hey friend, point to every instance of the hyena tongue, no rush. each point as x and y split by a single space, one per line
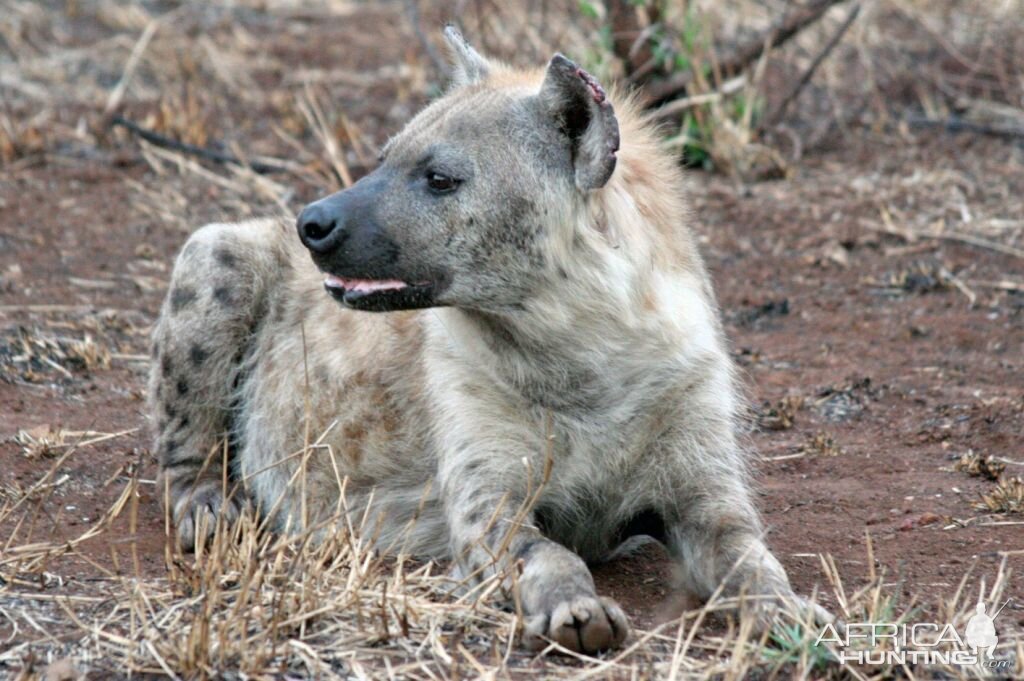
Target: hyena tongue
363 285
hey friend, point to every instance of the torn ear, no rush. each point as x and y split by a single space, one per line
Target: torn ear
582 109
468 65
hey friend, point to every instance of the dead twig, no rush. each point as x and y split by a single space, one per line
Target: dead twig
971 296
117 94
815 63
913 235
1001 285
975 241
205 153
955 124
678 106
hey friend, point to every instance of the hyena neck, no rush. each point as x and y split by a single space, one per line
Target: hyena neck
618 308
577 362
544 370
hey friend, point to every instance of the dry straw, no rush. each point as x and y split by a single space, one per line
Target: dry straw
325 604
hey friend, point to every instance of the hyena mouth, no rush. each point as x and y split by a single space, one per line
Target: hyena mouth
379 295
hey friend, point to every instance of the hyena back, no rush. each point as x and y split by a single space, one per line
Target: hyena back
571 357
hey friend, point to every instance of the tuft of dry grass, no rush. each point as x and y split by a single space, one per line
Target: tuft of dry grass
1006 497
87 355
822 444
917 277
41 442
781 415
32 354
979 466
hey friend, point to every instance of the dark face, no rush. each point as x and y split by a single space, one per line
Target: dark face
455 215
361 257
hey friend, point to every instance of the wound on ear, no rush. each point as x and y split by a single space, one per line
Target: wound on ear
596 91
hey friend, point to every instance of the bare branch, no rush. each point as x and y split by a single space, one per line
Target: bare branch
809 73
201 152
747 54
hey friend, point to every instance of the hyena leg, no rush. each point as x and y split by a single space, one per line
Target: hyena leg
491 532
217 295
718 546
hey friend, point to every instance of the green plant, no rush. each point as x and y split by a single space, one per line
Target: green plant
795 644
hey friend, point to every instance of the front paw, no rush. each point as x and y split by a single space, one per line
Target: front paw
198 511
789 607
584 624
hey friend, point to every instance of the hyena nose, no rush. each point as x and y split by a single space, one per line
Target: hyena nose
320 228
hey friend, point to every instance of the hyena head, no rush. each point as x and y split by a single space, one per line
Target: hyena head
473 195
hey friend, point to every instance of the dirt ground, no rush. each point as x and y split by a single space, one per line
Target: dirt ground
878 346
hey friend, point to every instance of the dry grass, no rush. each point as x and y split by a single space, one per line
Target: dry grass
252 604
980 466
822 444
42 442
32 355
781 415
1006 497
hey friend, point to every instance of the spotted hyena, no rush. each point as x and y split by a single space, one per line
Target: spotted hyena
550 336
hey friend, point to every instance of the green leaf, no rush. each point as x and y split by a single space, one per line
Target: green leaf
589 10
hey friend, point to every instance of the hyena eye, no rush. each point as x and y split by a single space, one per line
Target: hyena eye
440 183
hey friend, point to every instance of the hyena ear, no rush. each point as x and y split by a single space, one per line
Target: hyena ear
581 108
468 65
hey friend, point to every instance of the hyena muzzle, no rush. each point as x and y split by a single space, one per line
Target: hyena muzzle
550 377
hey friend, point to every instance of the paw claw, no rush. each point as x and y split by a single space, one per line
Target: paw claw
197 513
